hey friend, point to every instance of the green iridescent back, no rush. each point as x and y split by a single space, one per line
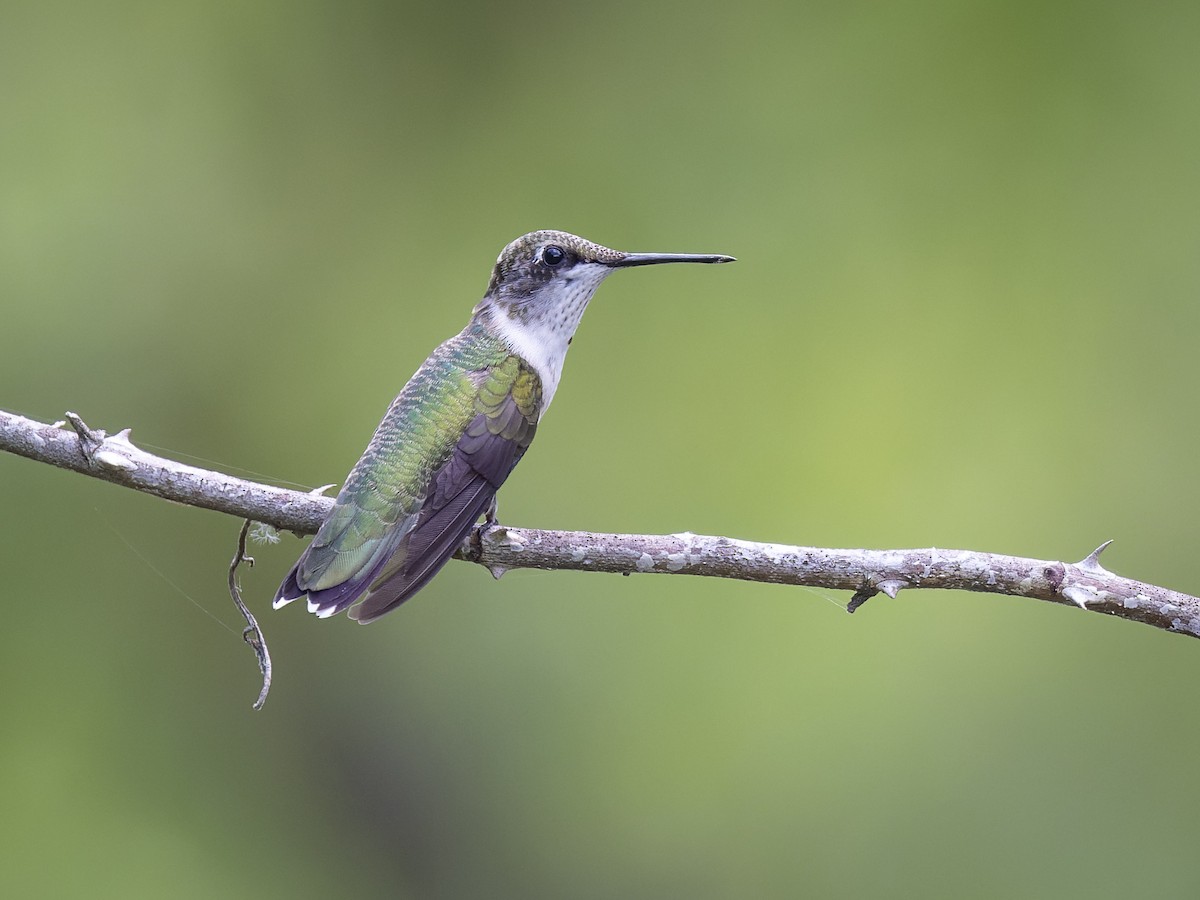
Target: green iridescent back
471 375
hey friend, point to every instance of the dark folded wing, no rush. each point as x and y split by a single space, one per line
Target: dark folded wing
461 490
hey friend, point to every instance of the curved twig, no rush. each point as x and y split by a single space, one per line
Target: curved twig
252 633
1085 584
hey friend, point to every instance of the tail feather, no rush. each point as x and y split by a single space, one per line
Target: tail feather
420 555
329 601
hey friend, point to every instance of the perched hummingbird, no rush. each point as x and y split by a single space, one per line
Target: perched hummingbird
456 430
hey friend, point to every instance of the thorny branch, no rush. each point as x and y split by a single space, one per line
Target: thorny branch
1085 584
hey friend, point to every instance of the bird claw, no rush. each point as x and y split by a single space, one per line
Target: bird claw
491 527
489 514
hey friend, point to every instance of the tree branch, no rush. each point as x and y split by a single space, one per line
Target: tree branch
1085 584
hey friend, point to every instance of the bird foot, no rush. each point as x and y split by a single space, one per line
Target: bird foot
490 527
489 514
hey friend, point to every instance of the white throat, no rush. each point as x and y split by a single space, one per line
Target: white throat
544 348
542 335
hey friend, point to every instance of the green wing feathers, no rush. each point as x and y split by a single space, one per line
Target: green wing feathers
447 442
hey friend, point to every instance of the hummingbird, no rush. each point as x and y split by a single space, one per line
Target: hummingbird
456 430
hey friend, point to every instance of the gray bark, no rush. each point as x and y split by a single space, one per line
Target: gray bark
1085 584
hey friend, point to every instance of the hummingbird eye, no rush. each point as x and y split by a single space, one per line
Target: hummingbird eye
553 255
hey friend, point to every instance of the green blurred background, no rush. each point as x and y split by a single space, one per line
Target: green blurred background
964 315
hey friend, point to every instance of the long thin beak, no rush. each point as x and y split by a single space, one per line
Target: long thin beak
653 259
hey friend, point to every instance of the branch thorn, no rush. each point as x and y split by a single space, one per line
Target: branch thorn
892 586
112 460
123 437
1078 595
1091 562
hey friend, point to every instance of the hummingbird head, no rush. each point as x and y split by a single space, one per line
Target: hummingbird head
545 279
540 289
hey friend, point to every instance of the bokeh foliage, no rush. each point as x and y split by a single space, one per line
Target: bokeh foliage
964 315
